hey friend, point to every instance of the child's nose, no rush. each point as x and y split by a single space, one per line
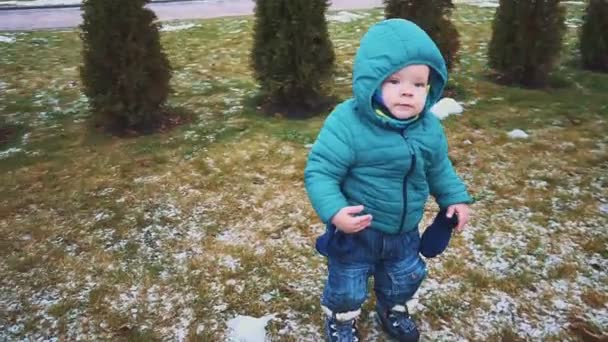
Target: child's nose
407 90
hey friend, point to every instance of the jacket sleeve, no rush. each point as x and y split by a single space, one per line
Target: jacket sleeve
328 163
444 183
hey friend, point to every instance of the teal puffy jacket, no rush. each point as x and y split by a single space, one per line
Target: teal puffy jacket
387 165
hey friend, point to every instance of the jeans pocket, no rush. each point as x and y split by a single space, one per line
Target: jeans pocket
341 244
408 279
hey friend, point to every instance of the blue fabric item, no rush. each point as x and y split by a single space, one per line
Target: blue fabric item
392 259
436 237
390 166
378 97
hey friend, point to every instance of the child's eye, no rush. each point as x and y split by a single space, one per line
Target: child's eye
420 85
393 81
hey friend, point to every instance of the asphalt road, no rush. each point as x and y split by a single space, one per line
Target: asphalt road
62 18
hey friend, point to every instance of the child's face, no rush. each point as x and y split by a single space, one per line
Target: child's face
404 92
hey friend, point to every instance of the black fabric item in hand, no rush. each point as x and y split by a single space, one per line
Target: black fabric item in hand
436 237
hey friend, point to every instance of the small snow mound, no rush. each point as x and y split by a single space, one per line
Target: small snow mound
7 153
5 39
178 27
518 134
344 17
604 208
248 329
478 3
446 107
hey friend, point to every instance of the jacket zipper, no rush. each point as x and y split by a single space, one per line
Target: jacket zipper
412 166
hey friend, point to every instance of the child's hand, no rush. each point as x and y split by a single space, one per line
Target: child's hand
346 221
462 210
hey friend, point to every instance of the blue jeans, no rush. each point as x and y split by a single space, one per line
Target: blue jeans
392 260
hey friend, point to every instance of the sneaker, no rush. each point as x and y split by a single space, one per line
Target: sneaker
341 331
398 323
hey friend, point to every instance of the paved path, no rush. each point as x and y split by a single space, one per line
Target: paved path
58 18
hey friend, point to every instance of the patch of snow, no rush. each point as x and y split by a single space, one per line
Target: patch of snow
16 329
40 41
248 329
604 208
148 179
7 153
177 27
478 3
220 307
230 262
560 304
102 215
6 39
266 297
517 134
26 138
181 330
344 17
446 107
105 192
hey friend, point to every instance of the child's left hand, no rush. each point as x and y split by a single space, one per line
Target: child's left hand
462 210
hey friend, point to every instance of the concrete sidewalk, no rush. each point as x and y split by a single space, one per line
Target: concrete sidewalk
70 17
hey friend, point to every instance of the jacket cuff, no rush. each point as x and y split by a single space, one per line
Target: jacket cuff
462 198
328 213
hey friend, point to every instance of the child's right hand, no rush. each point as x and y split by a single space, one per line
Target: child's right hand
346 221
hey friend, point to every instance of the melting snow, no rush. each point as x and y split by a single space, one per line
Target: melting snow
446 107
518 134
177 27
248 329
478 3
7 153
6 39
344 17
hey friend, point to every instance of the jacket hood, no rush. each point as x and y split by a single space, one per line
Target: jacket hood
386 48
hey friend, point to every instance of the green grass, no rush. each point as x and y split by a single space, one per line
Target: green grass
175 233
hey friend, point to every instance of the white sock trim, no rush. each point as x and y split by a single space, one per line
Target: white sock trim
399 308
342 316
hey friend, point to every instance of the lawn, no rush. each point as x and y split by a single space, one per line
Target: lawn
168 236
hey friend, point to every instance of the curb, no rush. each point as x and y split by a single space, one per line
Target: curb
18 8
